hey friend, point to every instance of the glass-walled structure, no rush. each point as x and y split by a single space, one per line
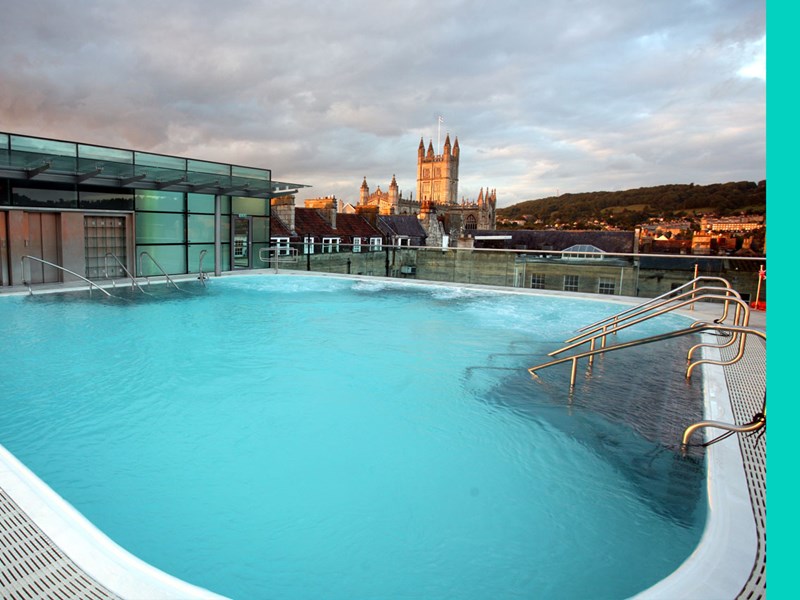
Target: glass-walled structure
100 210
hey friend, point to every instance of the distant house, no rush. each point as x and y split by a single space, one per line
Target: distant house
319 228
402 230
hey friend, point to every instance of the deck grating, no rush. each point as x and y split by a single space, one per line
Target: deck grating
31 566
747 386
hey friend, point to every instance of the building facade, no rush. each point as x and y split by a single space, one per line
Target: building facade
103 212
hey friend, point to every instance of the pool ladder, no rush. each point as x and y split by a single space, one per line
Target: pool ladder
160 268
673 300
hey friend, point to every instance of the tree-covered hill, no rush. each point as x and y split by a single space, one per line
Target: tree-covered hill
631 207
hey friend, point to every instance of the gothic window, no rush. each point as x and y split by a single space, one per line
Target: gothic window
470 223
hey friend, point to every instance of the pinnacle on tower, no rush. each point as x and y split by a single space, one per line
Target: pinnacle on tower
447 145
456 150
430 149
421 150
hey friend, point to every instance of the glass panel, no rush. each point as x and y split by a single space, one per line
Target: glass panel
251 173
171 258
194 258
105 154
226 257
61 198
3 141
201 228
260 229
157 228
105 199
208 167
225 205
5 198
225 230
41 146
160 161
159 200
200 203
257 262
250 206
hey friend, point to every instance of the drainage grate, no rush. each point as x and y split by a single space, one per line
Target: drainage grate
746 386
31 566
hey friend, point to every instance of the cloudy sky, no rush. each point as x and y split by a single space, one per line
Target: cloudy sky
545 97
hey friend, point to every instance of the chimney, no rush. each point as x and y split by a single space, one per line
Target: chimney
326 207
369 214
283 208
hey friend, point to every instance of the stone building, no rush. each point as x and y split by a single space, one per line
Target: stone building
437 205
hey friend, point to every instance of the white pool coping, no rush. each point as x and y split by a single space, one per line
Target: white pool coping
719 567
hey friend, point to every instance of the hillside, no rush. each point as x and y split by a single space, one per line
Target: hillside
628 208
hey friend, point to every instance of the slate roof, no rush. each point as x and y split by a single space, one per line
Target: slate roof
607 241
401 225
307 221
353 225
277 228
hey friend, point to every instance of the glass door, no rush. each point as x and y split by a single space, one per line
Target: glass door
241 242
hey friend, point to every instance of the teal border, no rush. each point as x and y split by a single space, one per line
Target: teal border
783 398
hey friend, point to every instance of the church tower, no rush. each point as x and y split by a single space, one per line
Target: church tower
437 175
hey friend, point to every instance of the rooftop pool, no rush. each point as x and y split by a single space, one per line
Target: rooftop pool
288 437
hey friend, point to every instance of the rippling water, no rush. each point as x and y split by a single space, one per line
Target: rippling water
292 437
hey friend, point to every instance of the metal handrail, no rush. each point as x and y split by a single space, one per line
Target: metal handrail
742 308
649 306
757 423
655 338
202 276
169 279
134 283
46 262
656 299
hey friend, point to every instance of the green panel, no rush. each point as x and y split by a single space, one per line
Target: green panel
106 199
157 228
159 200
194 258
200 228
160 161
171 258
105 154
260 229
51 147
249 206
200 203
201 166
225 230
225 205
226 257
257 262
251 173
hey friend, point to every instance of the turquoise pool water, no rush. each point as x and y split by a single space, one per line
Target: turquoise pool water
298 437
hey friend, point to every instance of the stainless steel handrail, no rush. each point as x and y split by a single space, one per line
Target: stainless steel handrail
134 283
757 424
47 262
650 306
742 308
655 338
169 279
668 294
202 276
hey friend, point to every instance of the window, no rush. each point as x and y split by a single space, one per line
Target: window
308 244
571 283
400 241
375 244
356 244
330 244
471 223
583 252
537 281
606 286
281 245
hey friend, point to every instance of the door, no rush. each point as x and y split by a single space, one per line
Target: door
41 238
241 242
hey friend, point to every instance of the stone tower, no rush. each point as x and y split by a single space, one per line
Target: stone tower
437 175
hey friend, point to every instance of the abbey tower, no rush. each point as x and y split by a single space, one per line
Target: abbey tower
437 175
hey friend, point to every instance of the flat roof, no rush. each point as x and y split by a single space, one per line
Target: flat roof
29 158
